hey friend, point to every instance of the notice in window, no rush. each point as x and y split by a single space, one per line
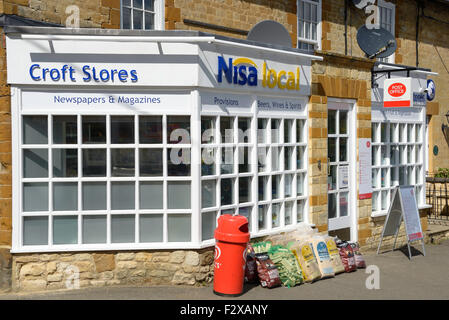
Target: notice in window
365 187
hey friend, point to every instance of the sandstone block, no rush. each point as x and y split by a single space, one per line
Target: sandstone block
32 269
125 256
33 285
104 262
183 278
177 256
192 258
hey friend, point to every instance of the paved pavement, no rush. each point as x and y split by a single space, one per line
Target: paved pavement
421 278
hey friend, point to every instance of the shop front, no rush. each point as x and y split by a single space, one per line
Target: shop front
130 141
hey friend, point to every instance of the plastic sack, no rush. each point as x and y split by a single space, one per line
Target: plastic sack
335 255
347 256
359 260
287 265
267 272
322 256
250 265
261 247
303 253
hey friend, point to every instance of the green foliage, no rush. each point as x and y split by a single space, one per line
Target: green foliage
442 173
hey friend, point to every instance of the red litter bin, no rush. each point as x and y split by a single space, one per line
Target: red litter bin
231 237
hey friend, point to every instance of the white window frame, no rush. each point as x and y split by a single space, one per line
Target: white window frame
316 43
388 166
159 15
389 6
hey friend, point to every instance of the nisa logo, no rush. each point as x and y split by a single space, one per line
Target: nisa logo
243 71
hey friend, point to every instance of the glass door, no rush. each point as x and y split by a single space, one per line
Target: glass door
339 171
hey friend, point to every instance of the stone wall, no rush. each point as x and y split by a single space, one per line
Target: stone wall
53 271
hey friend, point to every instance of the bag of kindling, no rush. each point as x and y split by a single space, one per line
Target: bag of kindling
347 256
322 256
359 260
303 253
287 265
267 271
335 255
250 265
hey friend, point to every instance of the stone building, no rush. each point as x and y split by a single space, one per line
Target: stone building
342 110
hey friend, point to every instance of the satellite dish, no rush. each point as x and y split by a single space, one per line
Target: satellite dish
376 43
272 32
362 3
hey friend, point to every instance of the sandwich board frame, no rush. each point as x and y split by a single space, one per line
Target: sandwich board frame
403 207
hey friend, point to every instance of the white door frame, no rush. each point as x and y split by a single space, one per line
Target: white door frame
351 220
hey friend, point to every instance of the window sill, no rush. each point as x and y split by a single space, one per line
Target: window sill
385 212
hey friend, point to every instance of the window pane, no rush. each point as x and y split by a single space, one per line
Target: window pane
178 227
65 163
65 129
35 163
126 18
227 129
244 189
35 231
332 149
35 196
246 212
208 225
262 130
149 5
244 130
137 19
94 129
94 162
383 132
122 195
94 195
300 160
332 121
343 122
275 187
208 193
207 161
300 204
288 156
151 227
275 127
178 162
343 149
122 162
288 124
332 205
275 215
227 160
227 191
94 229
343 204
288 212
65 230
35 130
262 217
263 188
262 154
150 162
288 185
300 130
332 178
65 196
178 194
178 129
275 158
123 228
151 195
300 181
207 129
149 21
150 129
244 159
137 4
122 129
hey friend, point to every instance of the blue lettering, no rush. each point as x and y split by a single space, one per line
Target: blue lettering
122 75
222 67
133 75
104 75
242 74
252 76
54 74
94 75
86 72
34 66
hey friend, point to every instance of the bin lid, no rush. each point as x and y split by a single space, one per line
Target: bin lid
232 229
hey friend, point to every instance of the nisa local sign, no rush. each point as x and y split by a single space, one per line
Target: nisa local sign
244 72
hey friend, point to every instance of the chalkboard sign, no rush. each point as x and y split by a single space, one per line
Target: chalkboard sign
403 207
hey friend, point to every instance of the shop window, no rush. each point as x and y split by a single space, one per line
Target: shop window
309 24
106 179
141 14
397 155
